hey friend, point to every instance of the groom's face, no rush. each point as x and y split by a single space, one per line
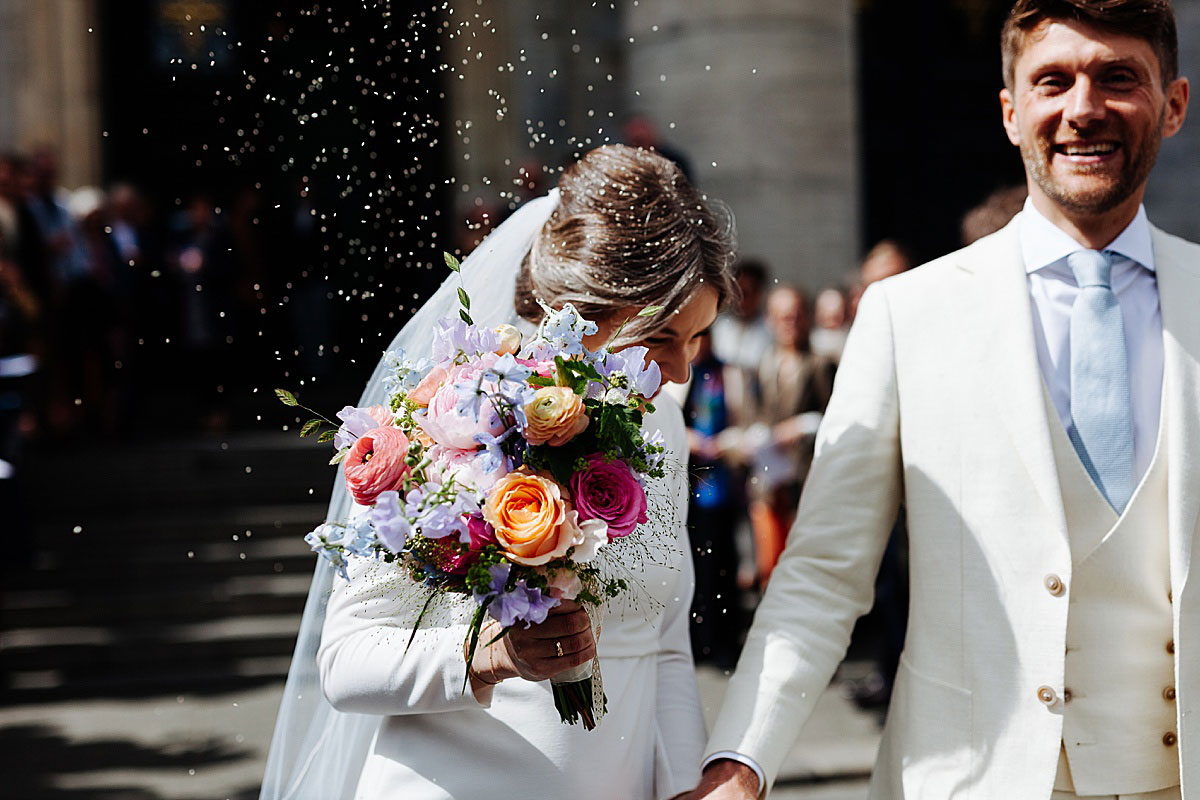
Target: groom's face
1088 110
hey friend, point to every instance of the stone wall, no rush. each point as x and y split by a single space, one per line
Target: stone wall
49 83
761 97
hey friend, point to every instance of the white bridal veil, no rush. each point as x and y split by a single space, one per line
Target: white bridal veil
318 752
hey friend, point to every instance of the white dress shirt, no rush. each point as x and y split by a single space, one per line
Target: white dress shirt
1052 290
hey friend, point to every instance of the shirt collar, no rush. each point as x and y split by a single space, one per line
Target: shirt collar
1043 243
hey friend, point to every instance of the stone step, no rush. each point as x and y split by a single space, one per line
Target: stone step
148 651
237 597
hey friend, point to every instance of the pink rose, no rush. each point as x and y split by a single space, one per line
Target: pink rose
458 562
609 491
446 426
428 386
465 467
375 464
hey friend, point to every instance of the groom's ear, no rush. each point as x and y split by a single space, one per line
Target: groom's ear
1008 113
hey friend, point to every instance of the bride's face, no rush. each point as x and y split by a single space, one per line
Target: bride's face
675 344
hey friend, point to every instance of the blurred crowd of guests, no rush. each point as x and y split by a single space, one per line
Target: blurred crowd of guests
759 387
118 316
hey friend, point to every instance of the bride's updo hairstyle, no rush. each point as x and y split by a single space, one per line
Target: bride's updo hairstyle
630 231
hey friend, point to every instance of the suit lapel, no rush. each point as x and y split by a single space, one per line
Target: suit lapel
1178 272
1012 378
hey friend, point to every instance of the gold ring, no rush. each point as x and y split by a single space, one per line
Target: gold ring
558 649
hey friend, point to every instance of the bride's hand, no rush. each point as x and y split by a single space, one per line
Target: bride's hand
533 653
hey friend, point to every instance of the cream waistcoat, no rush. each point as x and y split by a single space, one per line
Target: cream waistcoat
1119 670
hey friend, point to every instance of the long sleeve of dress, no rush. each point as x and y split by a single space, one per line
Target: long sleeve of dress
366 662
681 731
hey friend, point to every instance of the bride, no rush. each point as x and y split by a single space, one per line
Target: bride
624 230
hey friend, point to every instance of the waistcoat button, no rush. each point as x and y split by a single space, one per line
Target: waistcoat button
1046 695
1171 647
1054 585
1169 693
1169 739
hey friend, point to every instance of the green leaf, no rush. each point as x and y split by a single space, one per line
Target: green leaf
538 380
340 457
327 436
464 298
649 408
310 428
286 397
462 312
451 262
650 311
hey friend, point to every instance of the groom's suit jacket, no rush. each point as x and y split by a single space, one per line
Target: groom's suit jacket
940 402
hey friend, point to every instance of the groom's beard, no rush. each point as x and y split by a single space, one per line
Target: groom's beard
1102 195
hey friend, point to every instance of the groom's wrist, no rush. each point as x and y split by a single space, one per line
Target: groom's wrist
728 767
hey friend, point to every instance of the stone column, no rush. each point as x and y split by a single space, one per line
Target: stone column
761 97
49 84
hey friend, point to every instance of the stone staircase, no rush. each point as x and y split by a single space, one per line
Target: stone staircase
161 568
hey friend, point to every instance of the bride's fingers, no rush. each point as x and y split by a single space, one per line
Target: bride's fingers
561 625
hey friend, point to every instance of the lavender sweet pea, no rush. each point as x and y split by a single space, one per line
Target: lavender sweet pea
609 491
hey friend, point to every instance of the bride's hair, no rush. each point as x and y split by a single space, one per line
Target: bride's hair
630 231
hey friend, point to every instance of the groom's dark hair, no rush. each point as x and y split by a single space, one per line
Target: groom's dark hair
1150 20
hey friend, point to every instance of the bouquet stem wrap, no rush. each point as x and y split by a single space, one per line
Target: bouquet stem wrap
579 691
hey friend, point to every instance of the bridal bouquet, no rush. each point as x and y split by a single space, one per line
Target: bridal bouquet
499 469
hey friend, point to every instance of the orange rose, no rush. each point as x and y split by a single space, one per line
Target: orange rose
555 416
428 386
532 517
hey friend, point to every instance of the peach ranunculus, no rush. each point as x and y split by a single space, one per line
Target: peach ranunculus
428 386
375 464
555 416
534 520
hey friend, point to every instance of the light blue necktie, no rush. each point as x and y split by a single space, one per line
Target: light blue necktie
1101 412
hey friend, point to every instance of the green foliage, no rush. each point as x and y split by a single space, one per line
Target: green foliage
464 298
465 317
339 457
327 436
286 397
310 428
650 311
451 262
538 380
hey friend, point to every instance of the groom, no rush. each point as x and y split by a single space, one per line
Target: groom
1034 401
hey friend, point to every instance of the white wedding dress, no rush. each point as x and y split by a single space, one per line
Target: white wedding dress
437 742
401 726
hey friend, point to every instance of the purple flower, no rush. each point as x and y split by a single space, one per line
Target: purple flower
452 337
440 517
629 369
492 458
523 604
355 422
391 526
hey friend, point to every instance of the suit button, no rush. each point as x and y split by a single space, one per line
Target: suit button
1054 585
1171 647
1067 695
1046 695
1169 739
1169 693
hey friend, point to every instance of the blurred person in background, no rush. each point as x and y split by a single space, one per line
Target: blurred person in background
794 385
639 130
713 402
20 315
874 691
885 259
76 317
204 275
740 336
831 315
996 211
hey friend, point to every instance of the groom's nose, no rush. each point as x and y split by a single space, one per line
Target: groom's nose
1084 105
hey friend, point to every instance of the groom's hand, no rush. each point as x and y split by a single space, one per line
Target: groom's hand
725 779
